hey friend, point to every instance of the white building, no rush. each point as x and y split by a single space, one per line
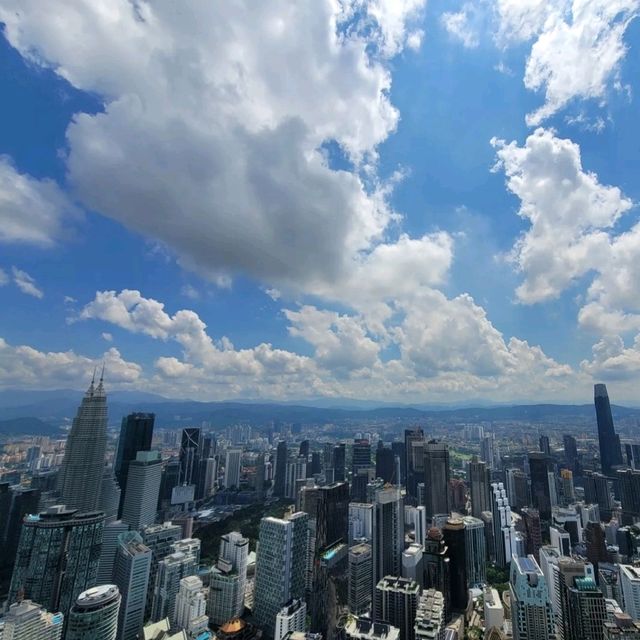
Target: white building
292 617
493 609
29 621
191 605
416 518
361 522
430 623
143 486
412 563
630 583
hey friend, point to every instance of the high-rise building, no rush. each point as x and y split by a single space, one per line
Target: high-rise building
389 532
339 463
610 454
18 503
361 522
143 487
26 620
412 564
280 475
487 453
385 463
570 451
436 478
455 539
360 455
211 476
630 587
365 629
531 613
566 484
131 576
58 557
80 476
296 471
110 542
280 566
629 487
291 618
532 530
597 491
518 491
136 433
190 610
361 582
260 476
493 609
587 610
171 570
416 519
232 468
190 455
478 478
399 454
160 538
569 573
397 603
475 546
539 470
95 614
502 526
430 616
412 465
110 495
544 445
436 567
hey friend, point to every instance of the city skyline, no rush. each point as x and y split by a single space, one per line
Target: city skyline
448 210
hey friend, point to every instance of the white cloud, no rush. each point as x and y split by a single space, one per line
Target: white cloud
107 336
24 366
521 20
209 140
569 211
459 26
189 291
4 278
613 361
32 211
26 283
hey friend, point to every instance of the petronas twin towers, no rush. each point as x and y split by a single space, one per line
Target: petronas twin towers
80 477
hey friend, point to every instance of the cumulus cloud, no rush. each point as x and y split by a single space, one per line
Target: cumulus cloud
33 212
26 283
569 211
459 26
24 366
612 360
213 120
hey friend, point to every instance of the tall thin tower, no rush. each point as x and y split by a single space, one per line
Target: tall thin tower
81 471
610 454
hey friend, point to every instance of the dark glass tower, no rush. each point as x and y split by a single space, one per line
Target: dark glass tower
280 475
454 538
339 462
385 464
136 433
412 436
190 453
570 451
610 454
436 478
539 468
361 456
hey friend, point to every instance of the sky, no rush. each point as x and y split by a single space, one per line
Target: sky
401 201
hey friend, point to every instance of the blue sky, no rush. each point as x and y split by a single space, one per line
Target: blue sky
385 200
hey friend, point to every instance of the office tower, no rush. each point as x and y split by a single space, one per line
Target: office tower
412 564
587 610
478 476
493 609
360 455
384 463
80 476
610 454
568 571
136 433
316 463
109 495
260 476
629 488
436 566
412 465
110 543
416 519
630 587
361 582
502 526
436 474
533 531
531 612
566 484
190 456
399 453
131 575
570 451
544 445
389 531
95 614
280 475
518 491
360 483
596 491
339 463
458 495
26 620
170 480
232 467
58 557
160 539
454 537
475 546
539 469
211 476
280 566
191 604
366 629
303 451
291 618
361 522
143 488
296 470
596 544
18 503
397 603
430 616
487 450
171 570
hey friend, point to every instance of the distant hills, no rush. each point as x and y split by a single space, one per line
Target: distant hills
45 412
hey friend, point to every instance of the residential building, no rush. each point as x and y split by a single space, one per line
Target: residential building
94 614
397 603
26 620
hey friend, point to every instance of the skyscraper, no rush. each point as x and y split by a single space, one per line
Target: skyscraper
190 455
502 527
629 486
131 576
360 455
412 466
280 566
384 463
475 551
596 491
228 578
630 587
416 519
291 619
544 445
80 476
136 433
58 557
171 570
143 488
389 532
232 468
610 454
280 475
26 620
95 614
339 463
455 539
478 475
570 451
190 610
539 469
436 567
436 474
531 611
397 603
361 581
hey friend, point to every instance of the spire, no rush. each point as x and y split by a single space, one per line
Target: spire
91 388
100 389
